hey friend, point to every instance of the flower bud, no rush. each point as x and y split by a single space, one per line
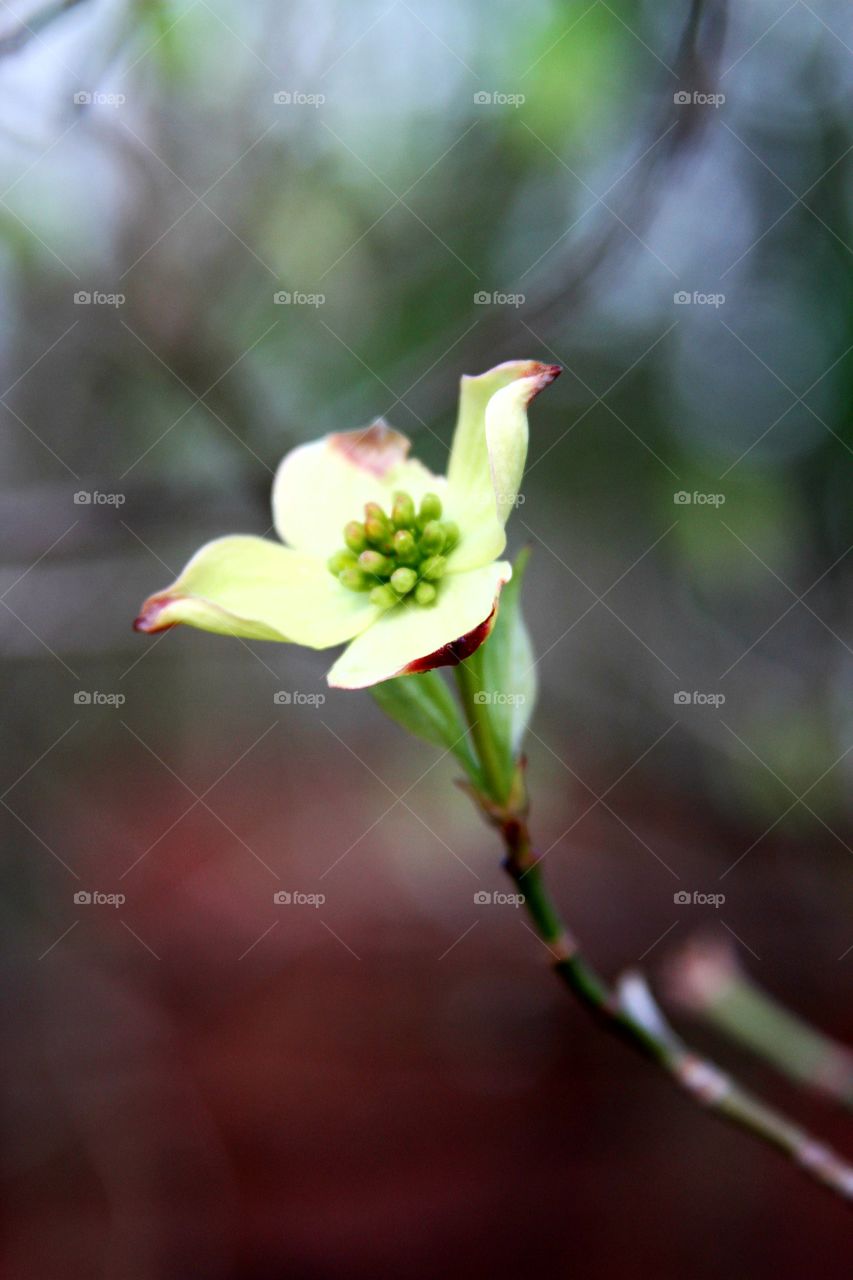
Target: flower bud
403 511
425 593
430 508
432 539
377 526
384 597
354 579
355 536
402 580
405 548
339 561
433 568
451 534
375 563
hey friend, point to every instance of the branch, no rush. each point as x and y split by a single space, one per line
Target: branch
14 40
706 980
630 1012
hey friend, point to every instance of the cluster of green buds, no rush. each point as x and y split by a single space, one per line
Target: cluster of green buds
398 557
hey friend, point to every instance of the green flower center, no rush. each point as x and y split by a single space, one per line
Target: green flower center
401 556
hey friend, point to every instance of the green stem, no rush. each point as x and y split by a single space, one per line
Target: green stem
629 1011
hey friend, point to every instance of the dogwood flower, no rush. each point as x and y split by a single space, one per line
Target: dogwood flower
378 552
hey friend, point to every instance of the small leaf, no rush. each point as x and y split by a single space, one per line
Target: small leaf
424 705
506 670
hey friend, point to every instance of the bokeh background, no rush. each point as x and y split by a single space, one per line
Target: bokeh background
200 1083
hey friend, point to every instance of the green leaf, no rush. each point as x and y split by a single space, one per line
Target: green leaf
506 671
424 705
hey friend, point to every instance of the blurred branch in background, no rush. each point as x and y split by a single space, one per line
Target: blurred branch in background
669 138
706 980
13 40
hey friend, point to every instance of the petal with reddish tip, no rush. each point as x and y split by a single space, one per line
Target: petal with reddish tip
488 455
320 486
378 448
410 639
245 586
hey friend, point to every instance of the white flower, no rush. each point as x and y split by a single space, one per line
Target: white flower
415 575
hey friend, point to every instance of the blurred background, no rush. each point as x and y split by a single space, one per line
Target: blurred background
227 229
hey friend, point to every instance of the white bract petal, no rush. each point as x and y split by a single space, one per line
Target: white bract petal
320 486
488 455
246 586
408 639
